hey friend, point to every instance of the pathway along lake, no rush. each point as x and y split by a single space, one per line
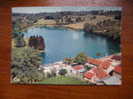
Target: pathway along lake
63 43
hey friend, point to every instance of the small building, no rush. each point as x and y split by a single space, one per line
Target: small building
95 74
113 80
79 68
105 65
100 73
89 75
118 69
95 62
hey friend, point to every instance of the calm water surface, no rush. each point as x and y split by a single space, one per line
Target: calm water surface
62 43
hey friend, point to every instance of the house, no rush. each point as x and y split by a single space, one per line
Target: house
89 75
96 62
118 69
113 80
105 65
115 63
100 73
95 74
79 68
109 69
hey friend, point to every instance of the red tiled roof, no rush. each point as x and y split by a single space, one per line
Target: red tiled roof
78 67
100 73
89 75
118 69
94 69
94 61
105 64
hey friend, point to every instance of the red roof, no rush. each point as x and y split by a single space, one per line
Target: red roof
94 69
105 64
89 75
94 61
100 73
118 69
78 67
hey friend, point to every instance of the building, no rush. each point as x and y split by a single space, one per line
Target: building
79 68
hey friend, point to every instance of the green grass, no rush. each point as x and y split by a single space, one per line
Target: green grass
62 80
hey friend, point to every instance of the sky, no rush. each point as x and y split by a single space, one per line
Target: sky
59 9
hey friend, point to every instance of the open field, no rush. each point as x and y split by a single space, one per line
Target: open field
62 80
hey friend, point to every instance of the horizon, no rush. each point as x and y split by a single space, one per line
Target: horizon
35 10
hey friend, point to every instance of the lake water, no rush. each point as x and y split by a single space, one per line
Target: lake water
61 43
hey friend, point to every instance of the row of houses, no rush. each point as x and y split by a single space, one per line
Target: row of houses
102 71
106 70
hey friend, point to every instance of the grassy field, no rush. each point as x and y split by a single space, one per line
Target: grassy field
62 80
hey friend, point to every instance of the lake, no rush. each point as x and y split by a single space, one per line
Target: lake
61 43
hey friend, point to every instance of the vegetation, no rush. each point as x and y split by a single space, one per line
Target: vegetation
61 80
19 40
26 60
25 63
62 71
68 60
81 58
17 34
36 42
106 23
87 68
109 28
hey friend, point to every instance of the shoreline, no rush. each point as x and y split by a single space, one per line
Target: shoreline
103 57
96 67
73 27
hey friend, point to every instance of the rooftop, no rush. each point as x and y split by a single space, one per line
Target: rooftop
118 69
94 61
105 65
89 75
78 67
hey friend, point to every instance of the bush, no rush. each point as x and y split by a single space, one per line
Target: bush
62 71
25 64
87 68
68 60
19 40
81 58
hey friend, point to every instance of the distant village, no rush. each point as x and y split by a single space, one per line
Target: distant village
99 22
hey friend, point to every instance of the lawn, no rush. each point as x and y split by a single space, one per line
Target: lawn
62 80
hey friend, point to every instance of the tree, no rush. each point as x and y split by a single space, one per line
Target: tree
81 58
19 40
25 64
87 67
37 42
62 71
68 60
